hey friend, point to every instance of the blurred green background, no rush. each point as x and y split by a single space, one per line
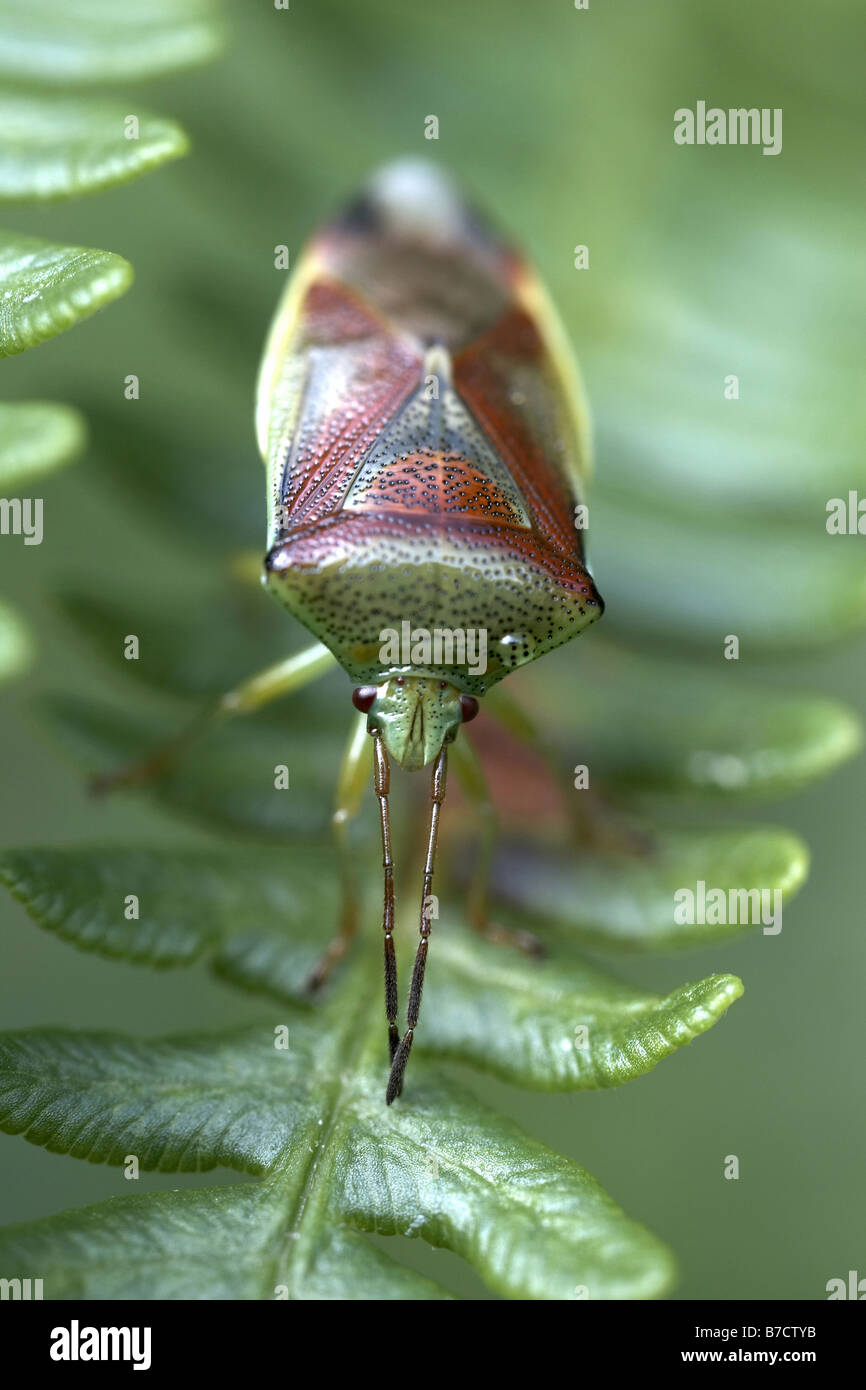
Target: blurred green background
703 262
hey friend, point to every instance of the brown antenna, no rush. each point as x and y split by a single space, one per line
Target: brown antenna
401 1056
382 785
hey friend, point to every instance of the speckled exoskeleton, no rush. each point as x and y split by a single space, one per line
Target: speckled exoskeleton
424 432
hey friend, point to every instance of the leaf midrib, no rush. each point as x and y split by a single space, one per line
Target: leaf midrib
335 1081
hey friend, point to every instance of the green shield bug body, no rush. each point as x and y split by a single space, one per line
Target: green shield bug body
424 433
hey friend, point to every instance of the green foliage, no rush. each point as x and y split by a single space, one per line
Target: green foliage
310 1119
47 288
750 581
699 528
264 918
625 900
261 918
56 147
791 436
15 647
661 728
36 438
90 41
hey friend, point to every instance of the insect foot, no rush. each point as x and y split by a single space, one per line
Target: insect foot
509 936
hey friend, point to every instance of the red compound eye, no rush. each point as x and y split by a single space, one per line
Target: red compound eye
363 697
468 707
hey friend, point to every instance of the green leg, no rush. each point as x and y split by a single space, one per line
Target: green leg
351 785
470 775
271 684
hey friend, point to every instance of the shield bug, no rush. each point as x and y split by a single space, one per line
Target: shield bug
424 433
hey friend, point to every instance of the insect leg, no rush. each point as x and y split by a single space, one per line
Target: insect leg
382 786
350 790
470 775
280 679
595 826
520 724
401 1056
